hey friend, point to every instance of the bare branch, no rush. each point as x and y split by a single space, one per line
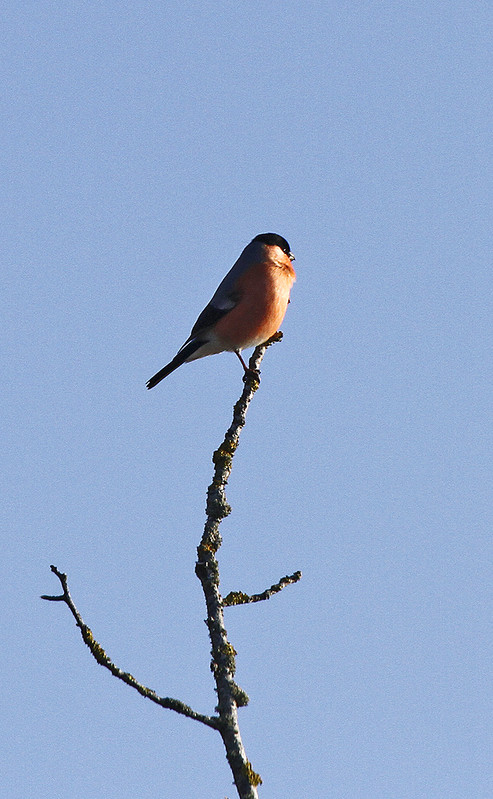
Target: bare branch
230 695
239 598
223 666
103 659
217 508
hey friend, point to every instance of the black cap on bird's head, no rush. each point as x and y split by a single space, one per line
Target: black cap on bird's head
275 241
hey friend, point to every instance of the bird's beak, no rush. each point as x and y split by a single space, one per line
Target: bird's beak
291 256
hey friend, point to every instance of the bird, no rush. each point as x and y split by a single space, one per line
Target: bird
247 307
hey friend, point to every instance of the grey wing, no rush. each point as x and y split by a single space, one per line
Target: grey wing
209 316
226 295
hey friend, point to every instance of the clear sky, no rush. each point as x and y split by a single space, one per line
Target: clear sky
142 146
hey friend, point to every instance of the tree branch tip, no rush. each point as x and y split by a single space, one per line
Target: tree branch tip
55 571
60 598
274 339
240 598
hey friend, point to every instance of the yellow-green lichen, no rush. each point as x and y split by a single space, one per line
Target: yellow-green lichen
252 776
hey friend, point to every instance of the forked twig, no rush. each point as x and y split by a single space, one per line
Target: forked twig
230 695
103 659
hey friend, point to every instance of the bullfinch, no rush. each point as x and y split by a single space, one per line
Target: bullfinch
247 308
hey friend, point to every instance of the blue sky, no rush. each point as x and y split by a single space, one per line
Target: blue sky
142 147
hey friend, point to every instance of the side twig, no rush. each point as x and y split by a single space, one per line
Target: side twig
103 659
240 598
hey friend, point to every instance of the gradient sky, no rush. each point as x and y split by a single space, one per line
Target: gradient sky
142 147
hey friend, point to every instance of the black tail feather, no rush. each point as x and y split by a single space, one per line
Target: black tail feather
164 372
181 356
